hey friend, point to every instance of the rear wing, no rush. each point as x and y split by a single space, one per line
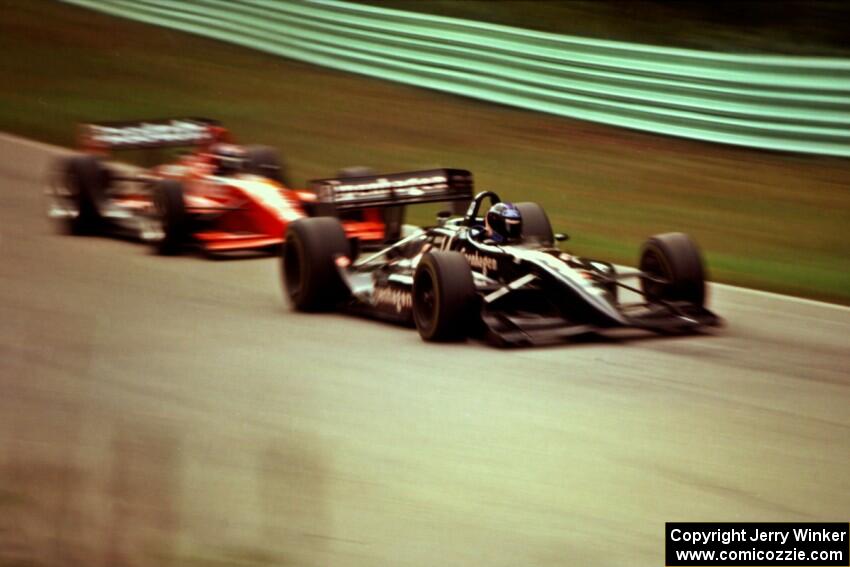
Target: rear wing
408 188
147 134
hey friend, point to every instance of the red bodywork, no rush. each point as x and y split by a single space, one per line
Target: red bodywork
249 211
234 212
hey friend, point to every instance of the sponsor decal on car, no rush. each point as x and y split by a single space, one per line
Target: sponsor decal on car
149 133
483 263
407 187
398 298
410 187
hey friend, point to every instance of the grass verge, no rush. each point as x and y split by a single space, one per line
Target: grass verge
767 220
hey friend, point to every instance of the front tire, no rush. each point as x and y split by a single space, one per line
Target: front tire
84 181
310 275
443 297
673 257
171 211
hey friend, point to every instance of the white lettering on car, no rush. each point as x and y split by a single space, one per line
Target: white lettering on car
174 132
398 298
483 263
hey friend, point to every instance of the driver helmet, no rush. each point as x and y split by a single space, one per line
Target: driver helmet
503 223
228 159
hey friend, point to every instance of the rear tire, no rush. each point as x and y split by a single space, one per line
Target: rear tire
443 297
171 209
310 275
86 180
675 257
535 224
265 162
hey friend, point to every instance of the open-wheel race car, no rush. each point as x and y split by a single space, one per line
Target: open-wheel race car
218 196
454 280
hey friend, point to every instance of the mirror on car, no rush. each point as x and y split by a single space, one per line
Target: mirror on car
561 237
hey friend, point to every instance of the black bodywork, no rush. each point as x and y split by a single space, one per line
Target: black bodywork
527 292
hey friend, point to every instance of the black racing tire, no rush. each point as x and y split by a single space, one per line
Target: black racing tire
535 224
170 208
265 161
444 297
674 257
310 275
86 179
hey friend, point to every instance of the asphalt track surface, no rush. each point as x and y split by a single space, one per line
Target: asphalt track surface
176 408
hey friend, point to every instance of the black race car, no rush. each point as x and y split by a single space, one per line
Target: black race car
451 282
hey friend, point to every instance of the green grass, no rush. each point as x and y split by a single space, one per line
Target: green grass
773 221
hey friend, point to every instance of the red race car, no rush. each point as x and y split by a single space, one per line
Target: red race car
219 196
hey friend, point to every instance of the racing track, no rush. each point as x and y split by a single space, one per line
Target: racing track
175 405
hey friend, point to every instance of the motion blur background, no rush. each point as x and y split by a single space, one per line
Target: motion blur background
774 221
171 411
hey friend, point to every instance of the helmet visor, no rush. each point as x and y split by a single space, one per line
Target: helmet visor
513 229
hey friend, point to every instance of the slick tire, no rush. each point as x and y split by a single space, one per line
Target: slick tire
170 208
535 224
444 297
310 274
674 257
86 181
266 162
